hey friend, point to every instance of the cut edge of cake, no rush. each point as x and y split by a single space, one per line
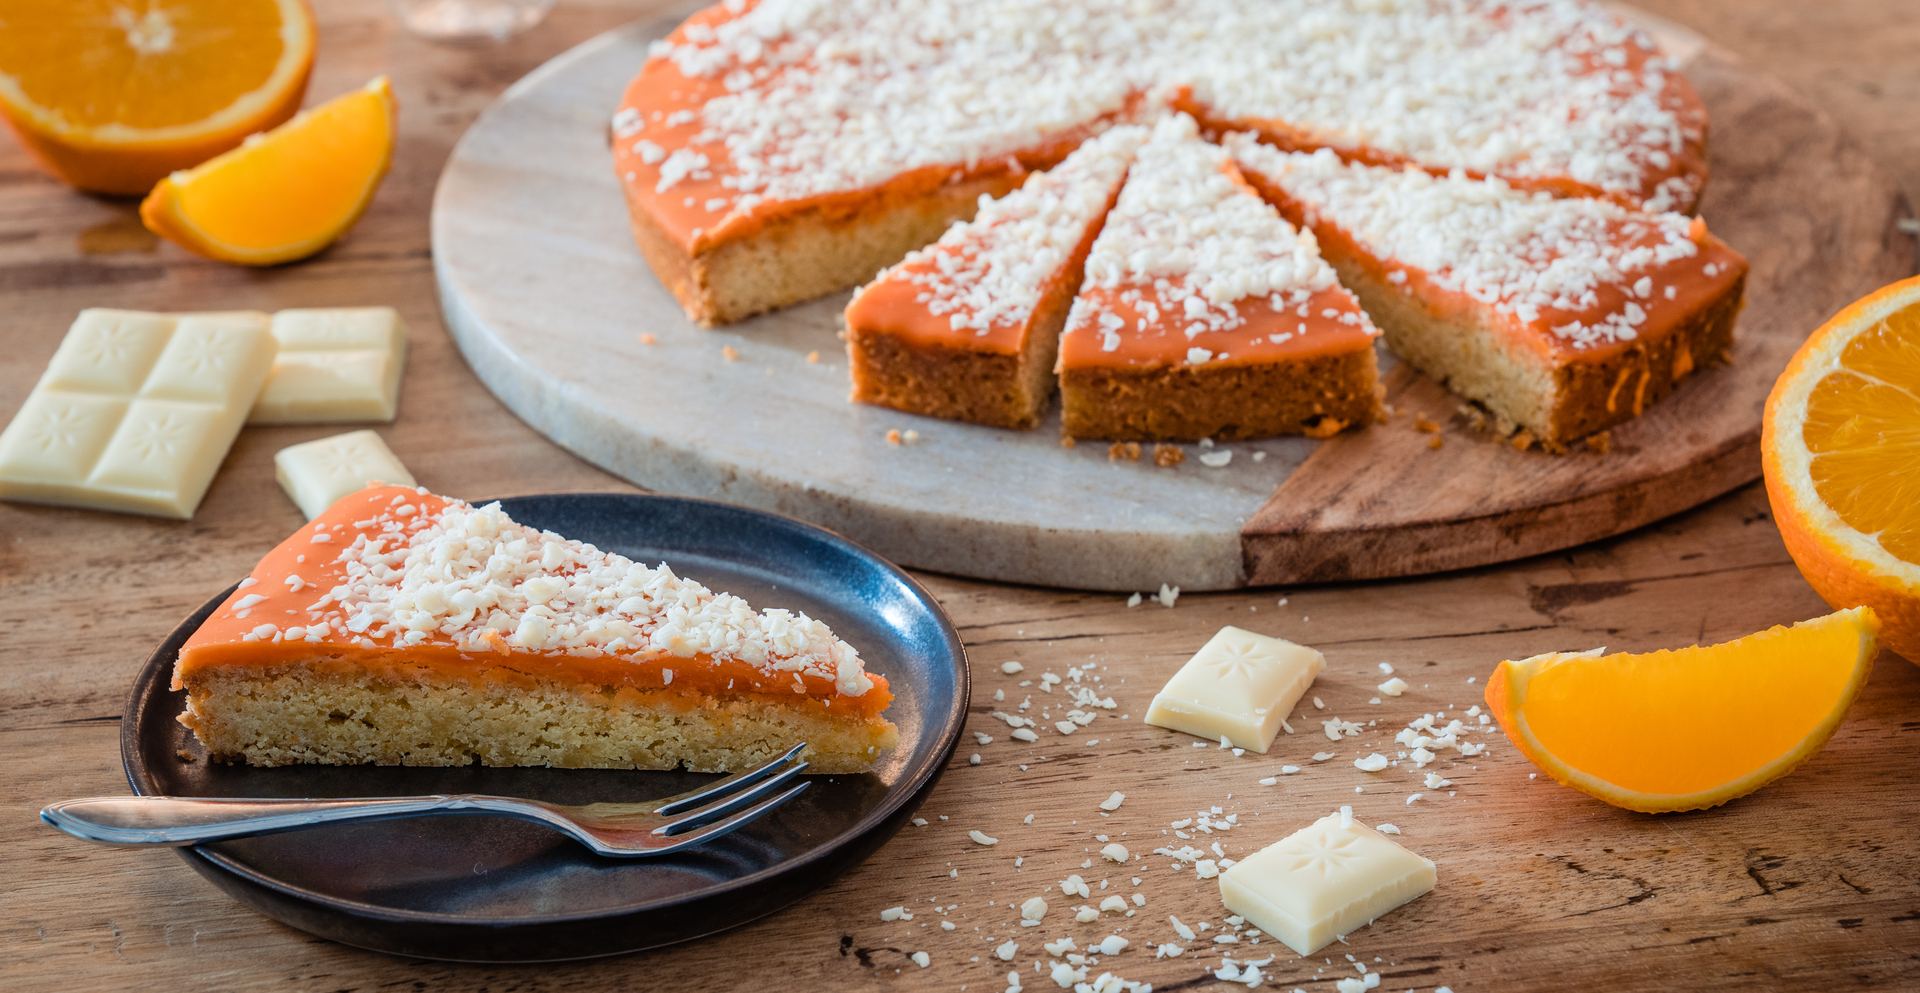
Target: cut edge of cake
1629 346
920 338
1262 269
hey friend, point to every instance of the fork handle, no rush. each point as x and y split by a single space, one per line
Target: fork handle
178 821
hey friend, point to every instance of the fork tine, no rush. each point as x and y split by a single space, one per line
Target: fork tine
725 787
710 814
727 826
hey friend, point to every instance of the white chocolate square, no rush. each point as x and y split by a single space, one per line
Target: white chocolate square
1325 880
108 351
1239 685
317 473
136 411
336 364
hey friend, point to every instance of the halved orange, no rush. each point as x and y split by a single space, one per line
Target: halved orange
1686 729
112 95
1840 449
286 194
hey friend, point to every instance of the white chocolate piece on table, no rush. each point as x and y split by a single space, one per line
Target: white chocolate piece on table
136 411
1324 880
335 364
318 473
1239 684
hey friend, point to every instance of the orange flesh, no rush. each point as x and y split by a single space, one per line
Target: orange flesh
1863 429
336 151
79 57
219 641
1164 341
1692 720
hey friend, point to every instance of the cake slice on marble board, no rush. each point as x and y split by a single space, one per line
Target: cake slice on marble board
1564 316
967 328
1205 314
404 628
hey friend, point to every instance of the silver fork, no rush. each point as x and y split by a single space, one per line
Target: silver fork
625 830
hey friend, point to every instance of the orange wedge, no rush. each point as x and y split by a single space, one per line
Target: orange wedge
1686 729
1840 448
286 194
112 95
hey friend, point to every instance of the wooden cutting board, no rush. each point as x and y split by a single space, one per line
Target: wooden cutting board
554 308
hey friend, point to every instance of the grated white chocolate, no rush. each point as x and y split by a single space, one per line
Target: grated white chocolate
473 576
825 97
990 272
1519 252
1526 89
1188 239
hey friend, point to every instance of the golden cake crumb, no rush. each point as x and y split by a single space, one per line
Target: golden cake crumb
1066 441
727 352
1327 428
893 436
1423 425
1129 450
813 356
1522 440
1168 456
1435 442
1599 441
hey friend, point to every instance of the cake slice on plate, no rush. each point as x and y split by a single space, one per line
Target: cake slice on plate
403 628
1565 316
1204 314
968 328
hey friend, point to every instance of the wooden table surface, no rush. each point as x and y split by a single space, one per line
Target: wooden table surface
1812 883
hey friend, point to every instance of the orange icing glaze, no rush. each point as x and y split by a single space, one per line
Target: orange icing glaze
1164 341
1693 288
1677 95
662 90
893 304
222 638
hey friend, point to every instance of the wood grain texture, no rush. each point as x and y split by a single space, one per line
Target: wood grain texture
1809 884
1816 218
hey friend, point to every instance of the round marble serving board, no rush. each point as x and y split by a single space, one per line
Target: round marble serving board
544 291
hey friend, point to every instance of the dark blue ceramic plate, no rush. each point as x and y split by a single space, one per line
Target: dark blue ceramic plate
483 889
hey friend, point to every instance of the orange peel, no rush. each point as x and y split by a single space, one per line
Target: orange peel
286 194
1686 729
112 95
1840 450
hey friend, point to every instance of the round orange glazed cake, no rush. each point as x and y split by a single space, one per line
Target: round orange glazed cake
773 151
403 628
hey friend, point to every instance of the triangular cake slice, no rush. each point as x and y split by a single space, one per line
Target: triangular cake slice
1205 314
403 628
967 328
1564 316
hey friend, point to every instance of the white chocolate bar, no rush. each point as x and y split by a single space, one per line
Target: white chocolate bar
136 410
1239 685
335 364
1325 880
317 473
